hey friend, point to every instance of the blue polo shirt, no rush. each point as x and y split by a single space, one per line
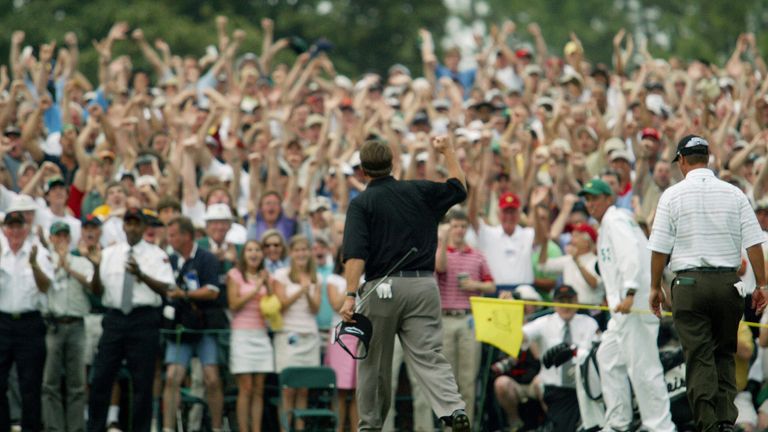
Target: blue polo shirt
200 270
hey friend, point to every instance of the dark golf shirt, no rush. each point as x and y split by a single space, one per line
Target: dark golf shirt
390 217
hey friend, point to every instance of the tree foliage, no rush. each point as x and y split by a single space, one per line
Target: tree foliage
370 35
367 35
693 29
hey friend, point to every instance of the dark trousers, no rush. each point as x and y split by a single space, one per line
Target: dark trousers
562 408
22 341
133 338
707 309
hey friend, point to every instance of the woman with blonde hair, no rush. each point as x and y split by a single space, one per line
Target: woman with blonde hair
251 354
298 342
275 254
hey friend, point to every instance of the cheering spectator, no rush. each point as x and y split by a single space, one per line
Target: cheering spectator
271 215
461 272
197 275
297 343
275 251
251 355
65 340
25 275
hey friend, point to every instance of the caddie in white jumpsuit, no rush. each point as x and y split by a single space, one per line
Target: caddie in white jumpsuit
628 351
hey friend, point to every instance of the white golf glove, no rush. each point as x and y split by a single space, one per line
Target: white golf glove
384 290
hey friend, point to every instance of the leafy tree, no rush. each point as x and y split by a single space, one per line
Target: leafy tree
367 35
692 29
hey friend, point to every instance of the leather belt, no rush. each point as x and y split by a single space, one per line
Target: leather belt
708 270
135 310
67 319
20 315
413 273
456 312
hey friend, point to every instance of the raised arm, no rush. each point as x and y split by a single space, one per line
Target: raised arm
558 226
190 192
46 54
91 126
444 146
254 182
157 63
31 130
74 54
428 58
617 55
541 44
17 38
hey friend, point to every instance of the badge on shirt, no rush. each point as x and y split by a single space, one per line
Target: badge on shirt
606 254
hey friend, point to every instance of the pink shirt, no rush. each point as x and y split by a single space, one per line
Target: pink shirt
467 261
249 316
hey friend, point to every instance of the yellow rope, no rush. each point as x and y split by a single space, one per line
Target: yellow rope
600 307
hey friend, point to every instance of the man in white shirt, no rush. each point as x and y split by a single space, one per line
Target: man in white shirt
133 276
112 230
563 326
701 226
56 194
508 246
65 341
628 350
25 276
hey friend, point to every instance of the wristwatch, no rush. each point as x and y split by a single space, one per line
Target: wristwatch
352 294
631 291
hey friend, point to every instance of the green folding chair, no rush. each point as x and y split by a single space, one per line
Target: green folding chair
320 378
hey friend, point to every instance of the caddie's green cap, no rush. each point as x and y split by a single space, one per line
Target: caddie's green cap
59 227
596 187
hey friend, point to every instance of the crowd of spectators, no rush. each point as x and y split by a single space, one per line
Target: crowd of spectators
258 160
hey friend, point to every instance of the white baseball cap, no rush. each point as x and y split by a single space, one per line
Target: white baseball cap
527 292
147 180
216 212
21 203
320 202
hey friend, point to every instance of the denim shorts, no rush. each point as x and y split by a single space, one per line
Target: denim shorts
206 350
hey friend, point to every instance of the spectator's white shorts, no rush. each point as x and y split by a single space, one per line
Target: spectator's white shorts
747 412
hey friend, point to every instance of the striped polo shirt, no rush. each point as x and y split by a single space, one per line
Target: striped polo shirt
703 221
466 260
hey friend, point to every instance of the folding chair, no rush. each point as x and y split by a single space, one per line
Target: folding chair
319 378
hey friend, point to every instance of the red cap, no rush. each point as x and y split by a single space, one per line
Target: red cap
509 200
584 228
346 103
522 53
650 132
